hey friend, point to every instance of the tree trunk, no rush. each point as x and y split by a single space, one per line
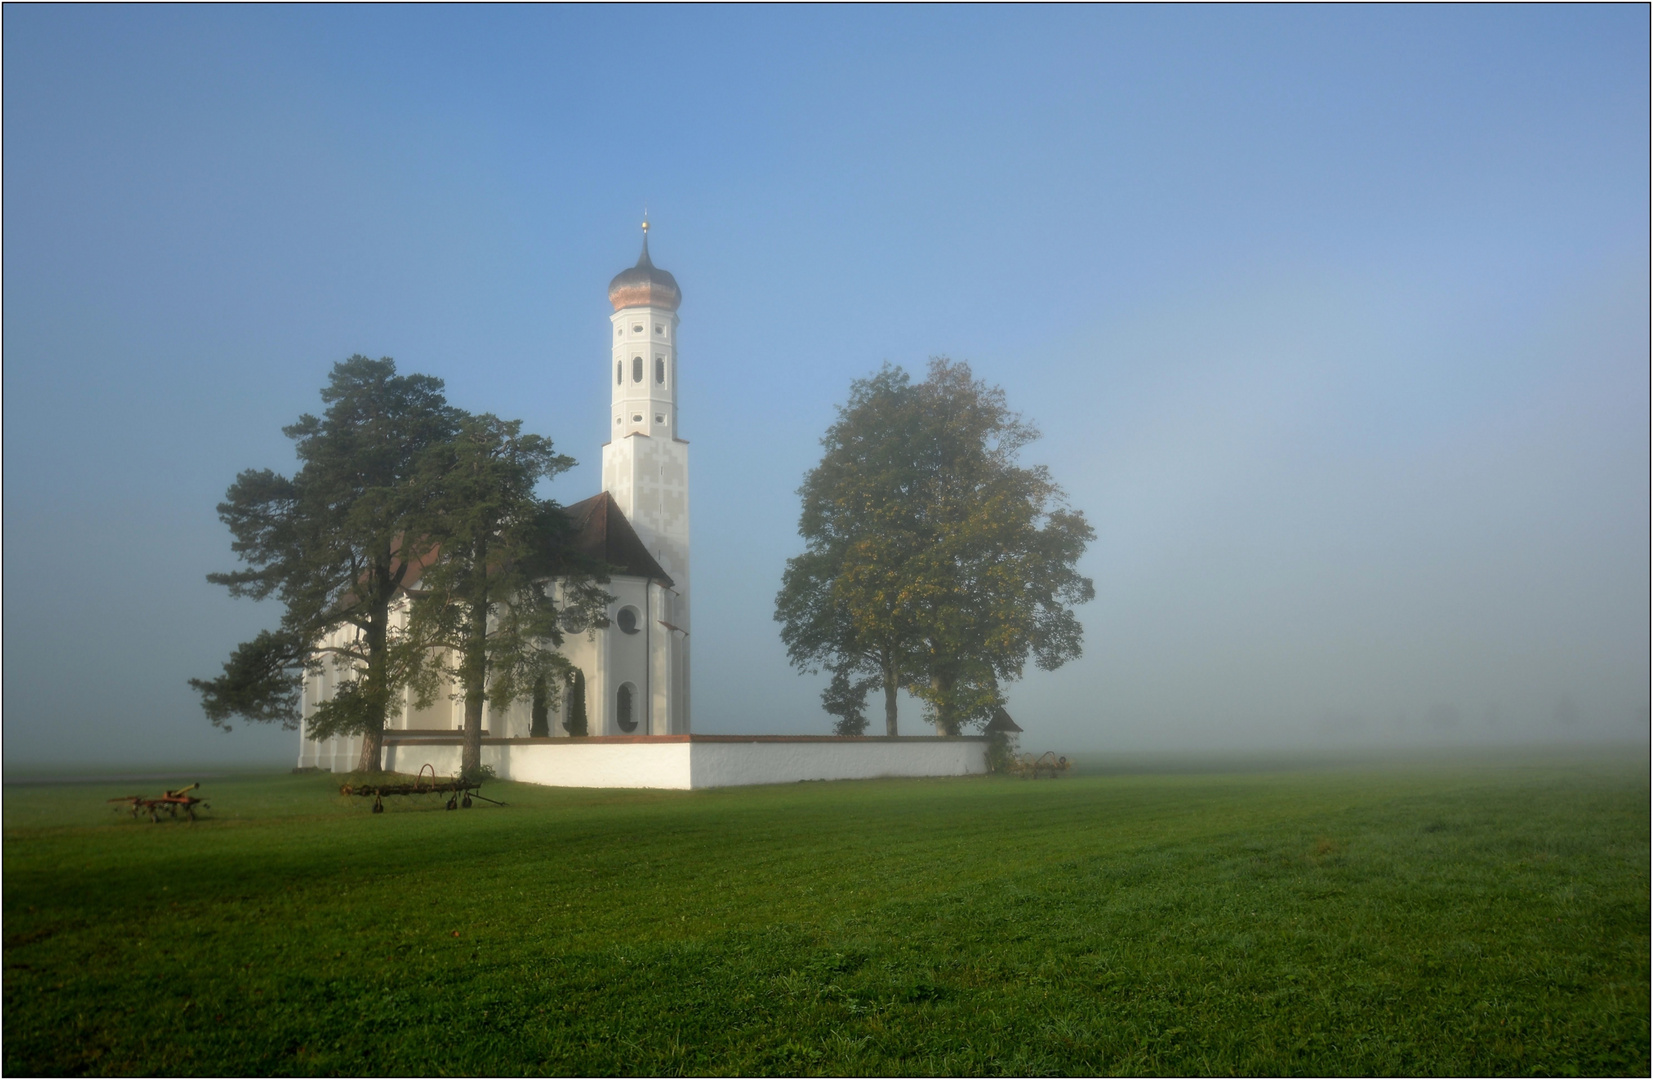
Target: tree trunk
946 704
373 738
891 687
474 674
471 760
373 745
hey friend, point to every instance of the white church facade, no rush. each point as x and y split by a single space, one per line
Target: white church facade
635 671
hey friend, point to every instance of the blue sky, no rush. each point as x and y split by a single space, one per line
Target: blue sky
1335 320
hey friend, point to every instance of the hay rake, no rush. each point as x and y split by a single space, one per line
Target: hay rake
173 802
1047 765
459 791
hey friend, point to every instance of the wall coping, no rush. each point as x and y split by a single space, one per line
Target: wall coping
416 737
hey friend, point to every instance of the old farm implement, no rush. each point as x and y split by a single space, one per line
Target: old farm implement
1032 768
172 802
459 791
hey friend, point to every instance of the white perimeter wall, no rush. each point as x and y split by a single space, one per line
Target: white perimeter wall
729 764
680 763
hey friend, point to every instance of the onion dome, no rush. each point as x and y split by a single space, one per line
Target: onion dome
644 285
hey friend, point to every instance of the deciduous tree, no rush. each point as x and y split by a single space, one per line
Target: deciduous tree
933 559
997 575
846 603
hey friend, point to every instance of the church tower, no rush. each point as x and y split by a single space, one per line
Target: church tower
646 468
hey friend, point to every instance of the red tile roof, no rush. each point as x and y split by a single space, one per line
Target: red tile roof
602 532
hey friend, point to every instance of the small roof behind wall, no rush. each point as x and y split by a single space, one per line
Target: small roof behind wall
601 531
1001 721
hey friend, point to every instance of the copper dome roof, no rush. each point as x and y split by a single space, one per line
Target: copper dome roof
644 285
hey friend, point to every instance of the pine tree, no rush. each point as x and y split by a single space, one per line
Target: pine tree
327 543
501 571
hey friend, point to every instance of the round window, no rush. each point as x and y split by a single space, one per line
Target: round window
574 621
627 620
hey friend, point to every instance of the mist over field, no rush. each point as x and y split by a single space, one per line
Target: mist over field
1335 322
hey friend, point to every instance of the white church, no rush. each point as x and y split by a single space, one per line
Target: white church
635 670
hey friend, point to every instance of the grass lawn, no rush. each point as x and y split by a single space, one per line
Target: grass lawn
1472 915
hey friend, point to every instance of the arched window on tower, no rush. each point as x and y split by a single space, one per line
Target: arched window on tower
619 373
624 713
637 369
660 370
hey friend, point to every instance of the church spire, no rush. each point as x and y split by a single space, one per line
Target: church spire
646 475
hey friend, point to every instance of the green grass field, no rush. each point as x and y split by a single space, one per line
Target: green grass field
1470 916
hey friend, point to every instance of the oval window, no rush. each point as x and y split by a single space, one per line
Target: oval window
626 620
637 329
637 369
624 713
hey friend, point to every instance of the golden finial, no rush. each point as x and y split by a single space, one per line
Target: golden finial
645 221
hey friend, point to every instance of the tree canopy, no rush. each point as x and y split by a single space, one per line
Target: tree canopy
401 499
327 543
933 560
500 572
